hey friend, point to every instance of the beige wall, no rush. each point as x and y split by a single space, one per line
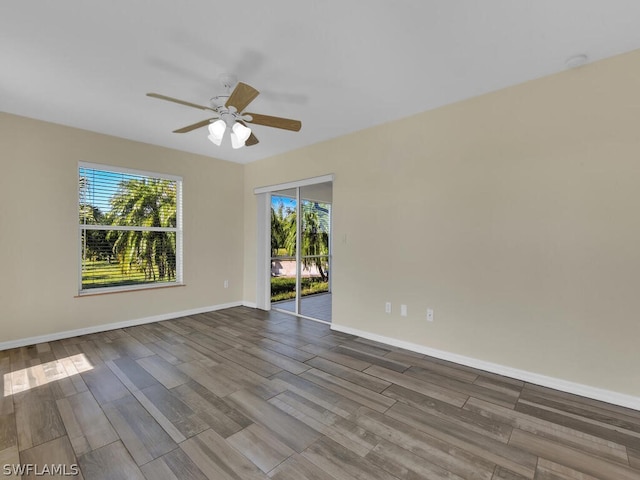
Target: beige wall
39 236
513 215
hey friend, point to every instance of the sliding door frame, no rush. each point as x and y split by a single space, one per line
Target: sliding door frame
263 257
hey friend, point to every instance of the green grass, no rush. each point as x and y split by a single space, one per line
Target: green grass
100 274
284 288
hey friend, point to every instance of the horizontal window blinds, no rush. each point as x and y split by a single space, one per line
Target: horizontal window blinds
130 228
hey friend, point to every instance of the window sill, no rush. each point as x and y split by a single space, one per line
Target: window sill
127 289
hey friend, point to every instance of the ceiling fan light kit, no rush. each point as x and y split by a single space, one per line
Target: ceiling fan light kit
239 135
216 131
231 116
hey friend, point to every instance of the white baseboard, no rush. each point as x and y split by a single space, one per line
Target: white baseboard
22 342
595 393
249 304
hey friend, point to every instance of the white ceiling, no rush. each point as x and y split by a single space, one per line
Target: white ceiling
336 65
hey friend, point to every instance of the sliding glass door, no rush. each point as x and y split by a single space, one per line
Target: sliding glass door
301 250
315 244
284 250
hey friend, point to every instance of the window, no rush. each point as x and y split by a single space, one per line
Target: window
130 228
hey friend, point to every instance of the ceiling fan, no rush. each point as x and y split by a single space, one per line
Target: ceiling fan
230 115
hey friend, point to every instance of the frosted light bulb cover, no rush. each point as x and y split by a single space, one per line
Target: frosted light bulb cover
241 132
235 141
216 140
217 128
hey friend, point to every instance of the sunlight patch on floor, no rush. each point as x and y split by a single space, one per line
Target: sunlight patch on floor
37 375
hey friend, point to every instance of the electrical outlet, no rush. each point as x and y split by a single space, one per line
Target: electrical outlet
403 310
226 284
429 314
387 307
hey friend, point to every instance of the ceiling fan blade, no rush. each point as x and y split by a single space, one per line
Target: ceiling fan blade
252 140
277 122
188 128
241 96
181 102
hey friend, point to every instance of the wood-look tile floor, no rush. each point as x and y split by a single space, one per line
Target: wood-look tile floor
244 394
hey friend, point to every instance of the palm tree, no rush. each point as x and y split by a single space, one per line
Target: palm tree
148 202
315 236
278 229
94 242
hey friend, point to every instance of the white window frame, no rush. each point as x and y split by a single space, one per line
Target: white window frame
178 231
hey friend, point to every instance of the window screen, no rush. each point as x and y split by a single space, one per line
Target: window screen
130 228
